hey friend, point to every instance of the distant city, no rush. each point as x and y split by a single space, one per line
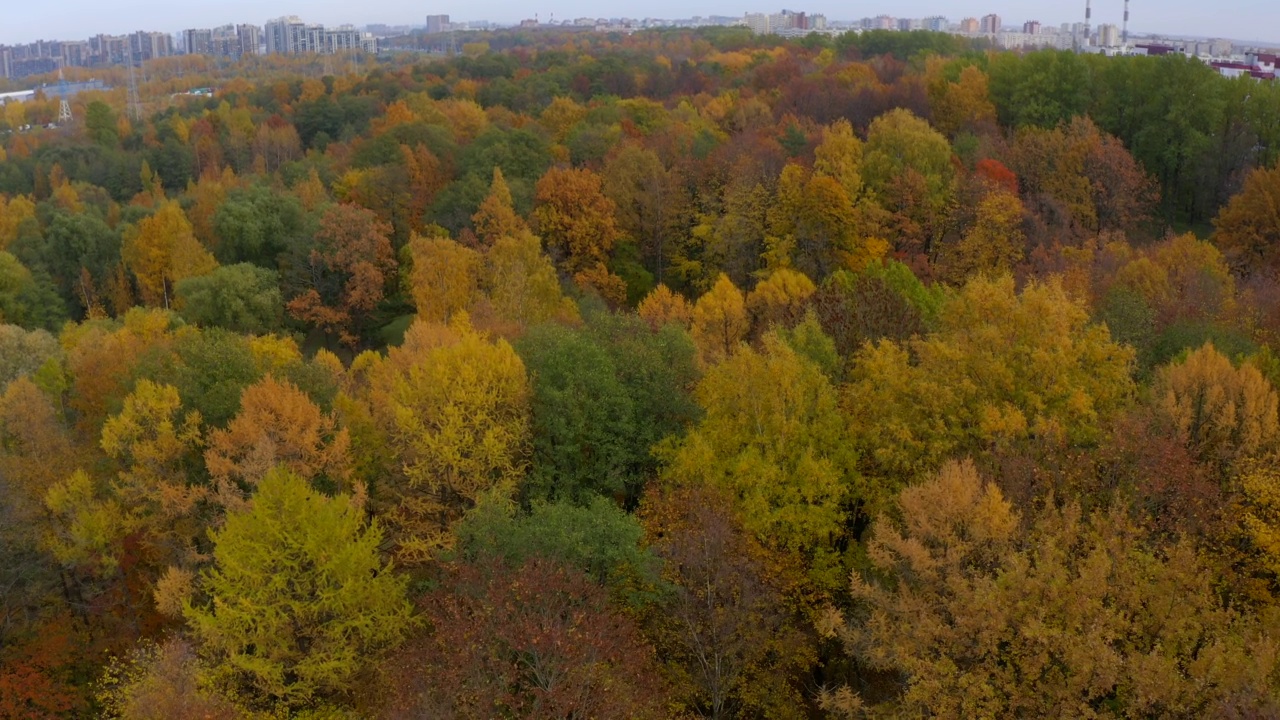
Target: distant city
293 36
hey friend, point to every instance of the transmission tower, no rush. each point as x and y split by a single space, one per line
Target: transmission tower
64 107
135 104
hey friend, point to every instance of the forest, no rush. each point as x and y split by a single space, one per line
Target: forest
681 374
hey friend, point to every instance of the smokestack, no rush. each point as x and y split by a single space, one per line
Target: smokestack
1125 34
1088 16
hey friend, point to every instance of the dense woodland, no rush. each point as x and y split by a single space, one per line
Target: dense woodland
672 375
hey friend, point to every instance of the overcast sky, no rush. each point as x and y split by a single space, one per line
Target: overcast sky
25 21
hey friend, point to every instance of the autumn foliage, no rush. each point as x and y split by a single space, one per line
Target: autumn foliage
664 374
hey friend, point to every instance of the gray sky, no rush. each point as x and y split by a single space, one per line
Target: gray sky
27 20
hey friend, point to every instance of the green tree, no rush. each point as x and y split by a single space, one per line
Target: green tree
241 298
907 166
299 600
598 538
257 225
583 420
100 124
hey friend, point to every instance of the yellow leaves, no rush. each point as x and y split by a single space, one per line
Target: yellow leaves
455 408
173 590
1260 486
780 298
720 321
445 277
13 214
397 113
995 243
85 528
814 222
575 218
465 116
1002 366
774 439
1248 228
955 511
839 156
161 250
1045 617
272 353
1224 414
521 283
150 439
961 105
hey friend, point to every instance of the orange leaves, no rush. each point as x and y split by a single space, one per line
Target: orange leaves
496 218
277 425
662 306
349 270
1248 228
720 321
577 222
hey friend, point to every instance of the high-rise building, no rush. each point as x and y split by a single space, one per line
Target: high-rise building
150 45
437 24
197 41
990 24
969 25
250 38
286 36
1031 27
291 36
936 23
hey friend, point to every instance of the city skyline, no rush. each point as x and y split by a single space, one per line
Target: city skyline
1234 19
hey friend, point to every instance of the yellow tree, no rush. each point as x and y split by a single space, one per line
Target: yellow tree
994 243
163 249
299 598
839 156
774 439
445 277
662 307
496 217
577 222
720 321
1003 366
1248 228
154 443
982 614
815 226
35 448
521 283
278 425
907 166
780 298
963 104
13 214
1224 414
454 407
